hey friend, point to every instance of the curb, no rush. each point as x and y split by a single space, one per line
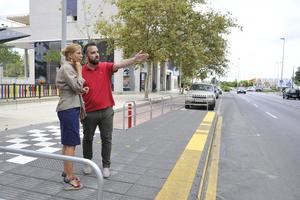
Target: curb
201 174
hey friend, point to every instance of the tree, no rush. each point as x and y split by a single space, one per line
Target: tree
297 76
12 62
170 30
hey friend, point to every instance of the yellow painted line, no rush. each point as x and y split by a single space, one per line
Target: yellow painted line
209 117
180 180
211 193
197 142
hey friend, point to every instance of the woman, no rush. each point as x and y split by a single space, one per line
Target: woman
70 83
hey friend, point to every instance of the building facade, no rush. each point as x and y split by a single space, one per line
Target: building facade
45 30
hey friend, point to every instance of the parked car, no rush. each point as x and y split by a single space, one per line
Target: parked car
241 90
201 94
290 93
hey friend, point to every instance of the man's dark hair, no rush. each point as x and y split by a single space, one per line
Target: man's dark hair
89 44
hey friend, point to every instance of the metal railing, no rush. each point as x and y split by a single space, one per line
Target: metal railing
159 104
65 158
15 91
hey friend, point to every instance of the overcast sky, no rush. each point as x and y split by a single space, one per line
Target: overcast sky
255 52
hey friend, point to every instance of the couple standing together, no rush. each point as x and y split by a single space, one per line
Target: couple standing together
86 92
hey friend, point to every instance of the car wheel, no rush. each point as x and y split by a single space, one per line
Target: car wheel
187 106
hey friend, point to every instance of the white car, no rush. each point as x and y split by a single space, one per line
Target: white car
201 94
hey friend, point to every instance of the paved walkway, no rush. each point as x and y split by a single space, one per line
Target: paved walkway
15 114
155 160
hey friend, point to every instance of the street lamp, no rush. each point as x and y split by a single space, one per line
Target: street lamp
282 62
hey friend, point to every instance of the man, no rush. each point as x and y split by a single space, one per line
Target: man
99 102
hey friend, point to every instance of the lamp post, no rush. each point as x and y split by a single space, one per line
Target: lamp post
282 63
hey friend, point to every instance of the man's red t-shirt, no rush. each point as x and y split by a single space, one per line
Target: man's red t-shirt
99 83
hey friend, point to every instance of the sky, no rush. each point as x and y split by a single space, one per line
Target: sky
255 52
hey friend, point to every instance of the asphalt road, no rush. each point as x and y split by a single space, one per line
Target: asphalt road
260 148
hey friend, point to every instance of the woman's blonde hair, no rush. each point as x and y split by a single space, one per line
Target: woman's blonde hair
69 50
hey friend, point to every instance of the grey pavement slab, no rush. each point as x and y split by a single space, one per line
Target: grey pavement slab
142 159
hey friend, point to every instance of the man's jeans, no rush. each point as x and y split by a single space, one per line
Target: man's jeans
104 120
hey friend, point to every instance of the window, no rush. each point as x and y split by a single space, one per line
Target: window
72 10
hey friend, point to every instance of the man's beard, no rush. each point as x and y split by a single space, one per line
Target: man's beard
94 61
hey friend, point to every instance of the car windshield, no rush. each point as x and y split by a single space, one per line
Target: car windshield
202 87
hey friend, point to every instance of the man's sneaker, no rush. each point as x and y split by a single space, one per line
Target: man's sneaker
106 172
87 169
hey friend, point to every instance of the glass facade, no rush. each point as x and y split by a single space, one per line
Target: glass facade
46 72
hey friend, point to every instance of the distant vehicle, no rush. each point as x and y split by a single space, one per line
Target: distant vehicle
290 93
201 94
219 90
258 89
216 92
250 89
241 90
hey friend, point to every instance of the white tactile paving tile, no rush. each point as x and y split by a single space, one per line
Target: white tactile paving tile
54 130
52 127
18 146
48 149
38 134
17 140
36 131
41 139
21 159
45 144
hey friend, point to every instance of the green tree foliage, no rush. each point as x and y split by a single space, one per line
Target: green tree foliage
11 61
171 30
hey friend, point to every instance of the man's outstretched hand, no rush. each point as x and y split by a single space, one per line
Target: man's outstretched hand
141 57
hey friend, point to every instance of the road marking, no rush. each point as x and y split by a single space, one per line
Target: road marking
255 105
180 180
272 115
211 192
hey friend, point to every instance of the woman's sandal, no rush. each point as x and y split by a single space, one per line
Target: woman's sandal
72 183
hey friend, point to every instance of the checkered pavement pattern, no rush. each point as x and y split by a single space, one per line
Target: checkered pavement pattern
46 140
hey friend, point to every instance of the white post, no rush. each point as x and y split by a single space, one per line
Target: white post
158 77
118 76
63 26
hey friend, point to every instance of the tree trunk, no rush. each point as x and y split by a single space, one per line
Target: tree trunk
147 81
181 88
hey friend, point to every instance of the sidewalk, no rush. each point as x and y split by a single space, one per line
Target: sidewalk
15 114
156 160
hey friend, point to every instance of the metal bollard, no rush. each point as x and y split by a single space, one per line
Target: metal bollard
129 115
